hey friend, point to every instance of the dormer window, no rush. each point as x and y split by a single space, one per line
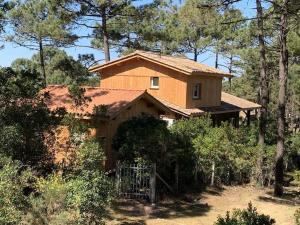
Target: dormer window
154 82
197 91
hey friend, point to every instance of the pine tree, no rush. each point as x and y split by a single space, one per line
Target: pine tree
36 24
193 32
96 15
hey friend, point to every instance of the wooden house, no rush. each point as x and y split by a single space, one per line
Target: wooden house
164 86
188 88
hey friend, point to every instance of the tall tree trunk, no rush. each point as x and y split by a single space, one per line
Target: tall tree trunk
230 63
217 58
283 72
263 86
195 54
42 62
105 35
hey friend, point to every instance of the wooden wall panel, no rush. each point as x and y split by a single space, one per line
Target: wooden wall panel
136 73
211 88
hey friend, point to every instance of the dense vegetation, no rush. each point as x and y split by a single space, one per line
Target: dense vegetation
262 49
33 189
248 216
205 154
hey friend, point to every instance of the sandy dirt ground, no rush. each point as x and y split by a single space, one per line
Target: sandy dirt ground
202 209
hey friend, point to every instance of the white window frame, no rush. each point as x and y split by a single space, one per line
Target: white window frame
152 84
197 87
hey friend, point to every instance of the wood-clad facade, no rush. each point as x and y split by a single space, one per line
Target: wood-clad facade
210 91
136 74
174 86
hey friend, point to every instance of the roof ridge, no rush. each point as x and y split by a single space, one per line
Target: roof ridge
115 89
162 54
97 87
56 85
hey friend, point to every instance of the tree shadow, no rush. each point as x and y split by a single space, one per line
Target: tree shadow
139 222
166 209
179 209
198 195
290 197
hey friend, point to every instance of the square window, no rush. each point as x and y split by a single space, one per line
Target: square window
154 82
197 91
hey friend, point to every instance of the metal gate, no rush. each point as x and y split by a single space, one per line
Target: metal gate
136 181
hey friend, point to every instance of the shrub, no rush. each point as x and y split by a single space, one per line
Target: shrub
80 196
248 216
144 137
79 200
90 194
13 181
297 217
50 205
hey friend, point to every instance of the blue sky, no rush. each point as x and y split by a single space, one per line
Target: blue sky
11 51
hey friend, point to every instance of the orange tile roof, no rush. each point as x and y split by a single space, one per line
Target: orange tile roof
229 103
182 64
114 99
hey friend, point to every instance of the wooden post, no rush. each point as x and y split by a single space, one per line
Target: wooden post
248 118
153 184
177 176
212 181
118 178
236 121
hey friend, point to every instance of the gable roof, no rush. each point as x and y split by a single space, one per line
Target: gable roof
181 64
115 100
229 103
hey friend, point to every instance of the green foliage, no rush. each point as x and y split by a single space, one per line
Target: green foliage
13 180
228 150
91 190
297 217
77 94
144 137
232 152
60 68
37 21
51 206
81 196
194 27
24 119
91 193
248 216
90 155
75 126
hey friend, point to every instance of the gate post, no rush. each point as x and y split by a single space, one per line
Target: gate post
153 183
118 177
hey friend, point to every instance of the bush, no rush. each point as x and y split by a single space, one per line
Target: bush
50 204
13 181
248 216
142 137
79 196
90 194
297 217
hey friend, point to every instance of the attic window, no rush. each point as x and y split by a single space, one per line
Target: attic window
154 82
197 91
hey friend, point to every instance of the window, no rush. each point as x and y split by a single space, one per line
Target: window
154 82
197 91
